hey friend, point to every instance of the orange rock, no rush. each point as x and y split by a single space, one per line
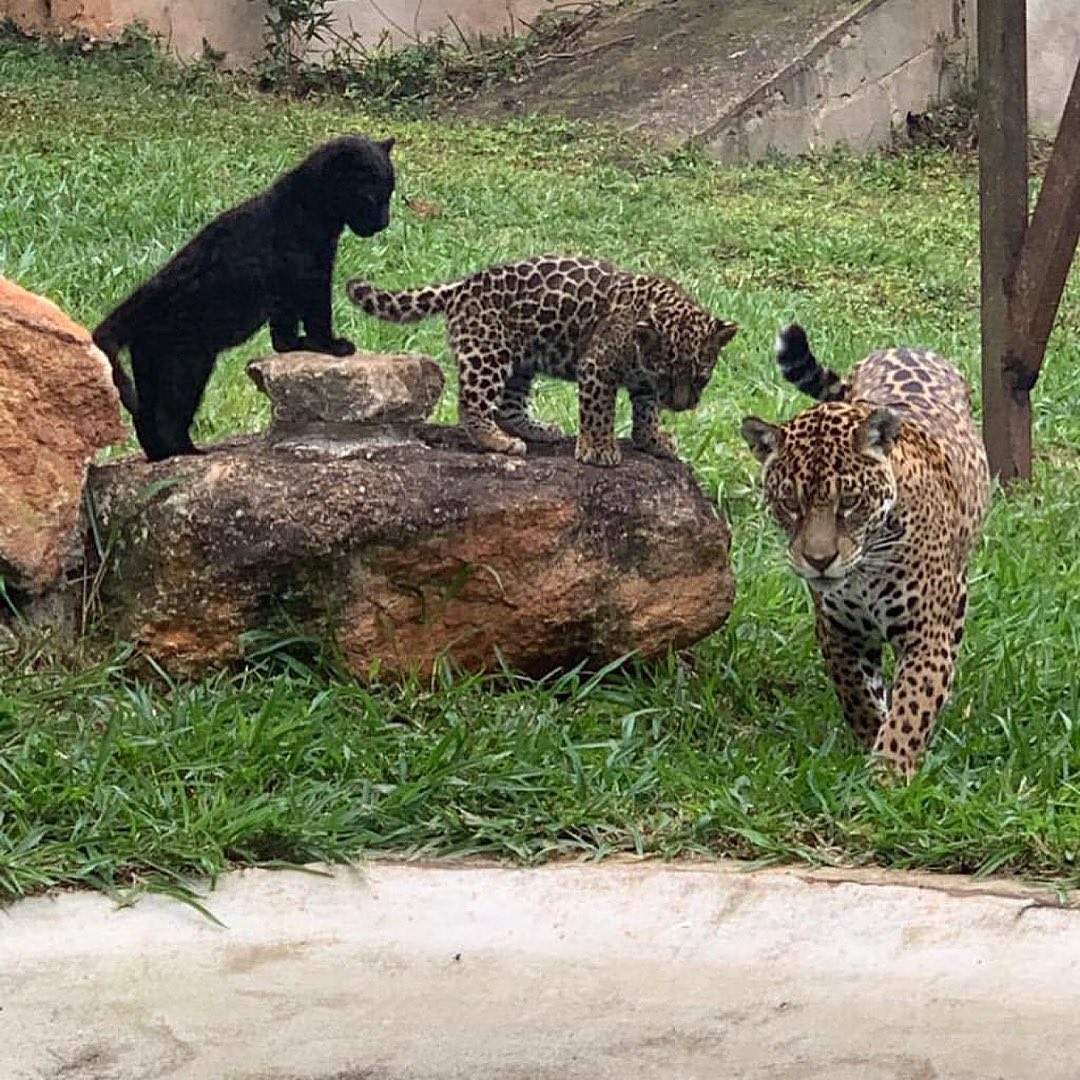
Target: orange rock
58 406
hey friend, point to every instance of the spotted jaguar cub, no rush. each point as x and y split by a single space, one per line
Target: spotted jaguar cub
881 490
576 319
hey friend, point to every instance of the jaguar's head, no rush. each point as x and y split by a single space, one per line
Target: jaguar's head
829 482
683 348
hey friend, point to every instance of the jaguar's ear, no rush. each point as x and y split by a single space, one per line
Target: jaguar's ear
878 433
724 332
764 439
388 144
647 337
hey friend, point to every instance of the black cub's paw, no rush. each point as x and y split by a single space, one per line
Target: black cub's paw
342 347
286 344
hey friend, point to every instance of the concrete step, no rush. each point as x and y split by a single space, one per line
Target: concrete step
617 970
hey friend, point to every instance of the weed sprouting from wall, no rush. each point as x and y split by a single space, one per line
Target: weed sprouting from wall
307 51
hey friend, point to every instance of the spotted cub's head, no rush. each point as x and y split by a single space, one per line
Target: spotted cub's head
680 343
830 485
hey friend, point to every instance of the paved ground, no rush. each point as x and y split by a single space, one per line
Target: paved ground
612 971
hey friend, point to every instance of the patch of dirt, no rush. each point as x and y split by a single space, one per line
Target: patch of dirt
670 68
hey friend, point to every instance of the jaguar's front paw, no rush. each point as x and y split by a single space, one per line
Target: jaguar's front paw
604 455
891 771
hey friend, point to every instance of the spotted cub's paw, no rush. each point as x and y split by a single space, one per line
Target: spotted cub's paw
532 431
604 456
543 433
660 445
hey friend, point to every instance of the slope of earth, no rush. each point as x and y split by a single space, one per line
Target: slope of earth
667 67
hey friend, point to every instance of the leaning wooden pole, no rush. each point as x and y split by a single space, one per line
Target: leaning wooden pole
1003 195
1049 245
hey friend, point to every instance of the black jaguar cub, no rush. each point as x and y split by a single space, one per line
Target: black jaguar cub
270 259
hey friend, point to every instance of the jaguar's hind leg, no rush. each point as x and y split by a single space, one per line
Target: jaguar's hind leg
485 364
145 376
513 415
170 387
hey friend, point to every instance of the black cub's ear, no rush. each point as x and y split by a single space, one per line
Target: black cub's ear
763 438
388 144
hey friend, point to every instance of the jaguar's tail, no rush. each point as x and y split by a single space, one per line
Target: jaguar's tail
111 337
802 368
406 306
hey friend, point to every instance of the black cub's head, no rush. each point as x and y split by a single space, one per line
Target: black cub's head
355 178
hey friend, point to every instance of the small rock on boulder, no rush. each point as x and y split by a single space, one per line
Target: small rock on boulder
411 551
58 406
344 399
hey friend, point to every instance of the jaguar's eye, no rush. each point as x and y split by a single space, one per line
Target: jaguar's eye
789 503
848 501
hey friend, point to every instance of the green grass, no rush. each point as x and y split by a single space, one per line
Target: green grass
106 169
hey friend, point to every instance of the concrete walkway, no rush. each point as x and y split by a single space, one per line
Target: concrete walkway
627 971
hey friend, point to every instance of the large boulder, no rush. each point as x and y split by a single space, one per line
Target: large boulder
405 550
58 406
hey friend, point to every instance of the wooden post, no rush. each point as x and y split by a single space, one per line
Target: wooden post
1003 195
1049 245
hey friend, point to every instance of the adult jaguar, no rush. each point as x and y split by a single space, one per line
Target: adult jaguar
881 490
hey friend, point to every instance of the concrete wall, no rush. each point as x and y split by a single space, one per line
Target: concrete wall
236 26
890 56
1053 28
1053 53
853 86
856 84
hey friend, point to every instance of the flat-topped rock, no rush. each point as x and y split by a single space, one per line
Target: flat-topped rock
408 552
314 396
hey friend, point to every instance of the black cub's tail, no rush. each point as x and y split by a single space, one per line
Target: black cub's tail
799 366
110 337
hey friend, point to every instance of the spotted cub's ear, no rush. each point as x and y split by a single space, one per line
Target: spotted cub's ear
878 433
724 332
647 337
764 439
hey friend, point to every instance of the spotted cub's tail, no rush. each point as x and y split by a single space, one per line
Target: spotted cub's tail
802 368
406 306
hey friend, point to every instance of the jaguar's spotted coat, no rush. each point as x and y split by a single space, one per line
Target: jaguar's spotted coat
576 319
881 490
